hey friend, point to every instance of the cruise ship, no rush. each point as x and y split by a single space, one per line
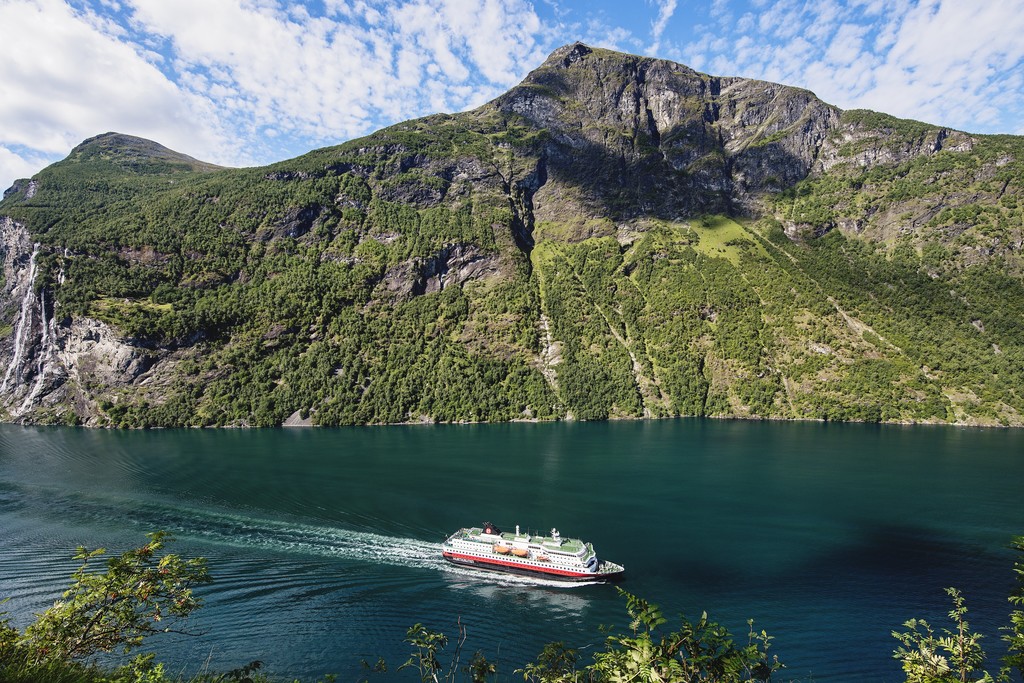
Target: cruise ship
552 557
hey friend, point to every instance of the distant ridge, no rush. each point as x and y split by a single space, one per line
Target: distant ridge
615 237
129 150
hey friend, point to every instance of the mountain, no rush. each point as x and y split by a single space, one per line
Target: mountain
616 236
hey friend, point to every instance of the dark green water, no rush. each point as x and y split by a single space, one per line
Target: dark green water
323 547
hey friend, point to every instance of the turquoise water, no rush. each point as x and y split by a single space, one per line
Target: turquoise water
323 543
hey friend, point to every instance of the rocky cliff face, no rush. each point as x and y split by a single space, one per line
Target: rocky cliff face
648 136
634 137
30 340
57 369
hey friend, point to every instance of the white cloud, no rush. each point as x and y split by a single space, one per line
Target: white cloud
950 62
329 79
65 80
846 45
597 32
247 81
208 77
666 8
14 166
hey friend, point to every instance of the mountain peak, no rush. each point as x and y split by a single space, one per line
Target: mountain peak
135 153
568 54
579 53
638 136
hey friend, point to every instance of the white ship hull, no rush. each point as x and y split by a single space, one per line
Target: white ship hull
550 557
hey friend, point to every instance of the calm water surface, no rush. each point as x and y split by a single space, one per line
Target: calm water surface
323 543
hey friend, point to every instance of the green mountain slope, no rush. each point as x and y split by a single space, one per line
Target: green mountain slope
615 237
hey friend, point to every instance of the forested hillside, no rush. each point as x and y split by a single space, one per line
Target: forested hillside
615 237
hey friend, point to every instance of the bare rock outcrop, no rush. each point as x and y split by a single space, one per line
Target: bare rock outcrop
452 265
54 368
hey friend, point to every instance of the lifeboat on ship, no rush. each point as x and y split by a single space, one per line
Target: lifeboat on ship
545 556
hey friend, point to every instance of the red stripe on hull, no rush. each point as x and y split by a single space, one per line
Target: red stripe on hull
516 565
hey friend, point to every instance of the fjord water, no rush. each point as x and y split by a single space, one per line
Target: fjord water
323 543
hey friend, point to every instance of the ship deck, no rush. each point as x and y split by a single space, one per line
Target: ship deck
565 545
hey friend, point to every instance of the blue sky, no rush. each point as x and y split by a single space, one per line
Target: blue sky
244 82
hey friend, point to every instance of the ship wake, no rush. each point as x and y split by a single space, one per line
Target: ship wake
246 530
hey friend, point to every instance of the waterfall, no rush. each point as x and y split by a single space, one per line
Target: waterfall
24 339
49 332
23 330
60 273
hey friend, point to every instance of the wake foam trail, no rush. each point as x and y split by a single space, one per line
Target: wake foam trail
326 541
289 537
244 529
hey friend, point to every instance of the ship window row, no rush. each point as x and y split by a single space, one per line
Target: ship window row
481 545
517 559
